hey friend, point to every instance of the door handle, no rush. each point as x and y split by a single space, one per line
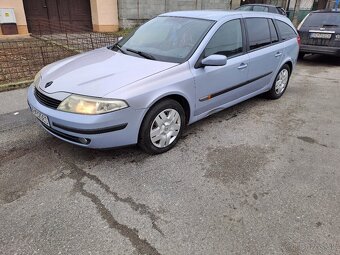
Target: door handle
278 54
242 66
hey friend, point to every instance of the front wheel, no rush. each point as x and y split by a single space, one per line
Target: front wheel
162 127
280 84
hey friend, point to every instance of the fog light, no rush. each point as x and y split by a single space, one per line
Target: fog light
84 140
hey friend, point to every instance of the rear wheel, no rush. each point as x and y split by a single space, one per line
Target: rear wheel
280 84
162 127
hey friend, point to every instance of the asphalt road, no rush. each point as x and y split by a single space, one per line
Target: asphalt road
262 177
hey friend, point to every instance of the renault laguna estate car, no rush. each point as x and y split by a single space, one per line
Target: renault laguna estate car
174 70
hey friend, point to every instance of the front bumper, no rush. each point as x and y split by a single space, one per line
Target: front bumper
335 51
119 128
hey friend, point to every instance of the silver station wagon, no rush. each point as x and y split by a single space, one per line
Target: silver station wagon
172 71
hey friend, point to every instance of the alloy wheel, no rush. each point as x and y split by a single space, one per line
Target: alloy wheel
281 81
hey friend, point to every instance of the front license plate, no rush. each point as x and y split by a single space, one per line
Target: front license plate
320 36
42 117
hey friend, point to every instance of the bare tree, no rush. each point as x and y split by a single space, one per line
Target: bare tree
296 12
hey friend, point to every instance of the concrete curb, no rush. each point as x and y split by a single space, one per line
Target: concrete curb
15 85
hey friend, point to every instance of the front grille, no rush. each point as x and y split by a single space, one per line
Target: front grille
46 100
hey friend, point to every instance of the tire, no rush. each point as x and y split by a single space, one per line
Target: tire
278 89
166 121
301 55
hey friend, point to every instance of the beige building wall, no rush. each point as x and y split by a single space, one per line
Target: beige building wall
104 15
19 13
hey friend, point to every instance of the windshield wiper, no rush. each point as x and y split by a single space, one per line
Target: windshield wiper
119 48
143 54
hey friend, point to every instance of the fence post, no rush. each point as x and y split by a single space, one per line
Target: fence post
91 41
42 55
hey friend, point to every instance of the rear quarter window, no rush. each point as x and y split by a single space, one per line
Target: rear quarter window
281 11
285 30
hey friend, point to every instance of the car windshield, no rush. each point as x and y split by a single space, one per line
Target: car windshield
169 39
322 19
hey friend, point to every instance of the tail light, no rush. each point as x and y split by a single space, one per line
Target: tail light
298 39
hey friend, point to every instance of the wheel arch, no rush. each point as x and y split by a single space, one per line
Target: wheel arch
290 64
182 100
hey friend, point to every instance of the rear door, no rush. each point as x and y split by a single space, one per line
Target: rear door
321 29
265 52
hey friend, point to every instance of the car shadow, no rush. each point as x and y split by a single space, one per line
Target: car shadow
133 154
320 60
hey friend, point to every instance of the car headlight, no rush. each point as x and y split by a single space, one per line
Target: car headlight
37 80
90 105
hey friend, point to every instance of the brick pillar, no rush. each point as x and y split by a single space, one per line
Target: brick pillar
104 15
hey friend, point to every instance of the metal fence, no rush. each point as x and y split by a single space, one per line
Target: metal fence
21 59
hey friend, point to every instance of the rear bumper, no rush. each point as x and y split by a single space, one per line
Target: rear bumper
335 51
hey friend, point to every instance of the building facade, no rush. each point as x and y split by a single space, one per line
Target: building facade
96 15
78 15
109 15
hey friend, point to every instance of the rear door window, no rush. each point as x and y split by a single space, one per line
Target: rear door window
286 31
258 32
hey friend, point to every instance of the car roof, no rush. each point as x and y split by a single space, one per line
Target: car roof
266 5
216 15
327 11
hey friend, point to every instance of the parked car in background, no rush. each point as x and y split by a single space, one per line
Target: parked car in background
262 8
174 70
320 33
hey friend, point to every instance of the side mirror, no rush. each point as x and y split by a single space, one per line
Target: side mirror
214 60
120 38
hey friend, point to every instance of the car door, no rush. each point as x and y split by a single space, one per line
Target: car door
265 52
218 85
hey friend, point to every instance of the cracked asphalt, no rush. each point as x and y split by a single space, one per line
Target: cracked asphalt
262 177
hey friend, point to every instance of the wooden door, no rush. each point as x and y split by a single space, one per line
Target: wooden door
36 14
55 16
75 14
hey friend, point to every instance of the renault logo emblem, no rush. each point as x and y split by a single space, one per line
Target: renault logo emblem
48 84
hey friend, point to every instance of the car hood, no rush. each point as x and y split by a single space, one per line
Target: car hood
98 72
